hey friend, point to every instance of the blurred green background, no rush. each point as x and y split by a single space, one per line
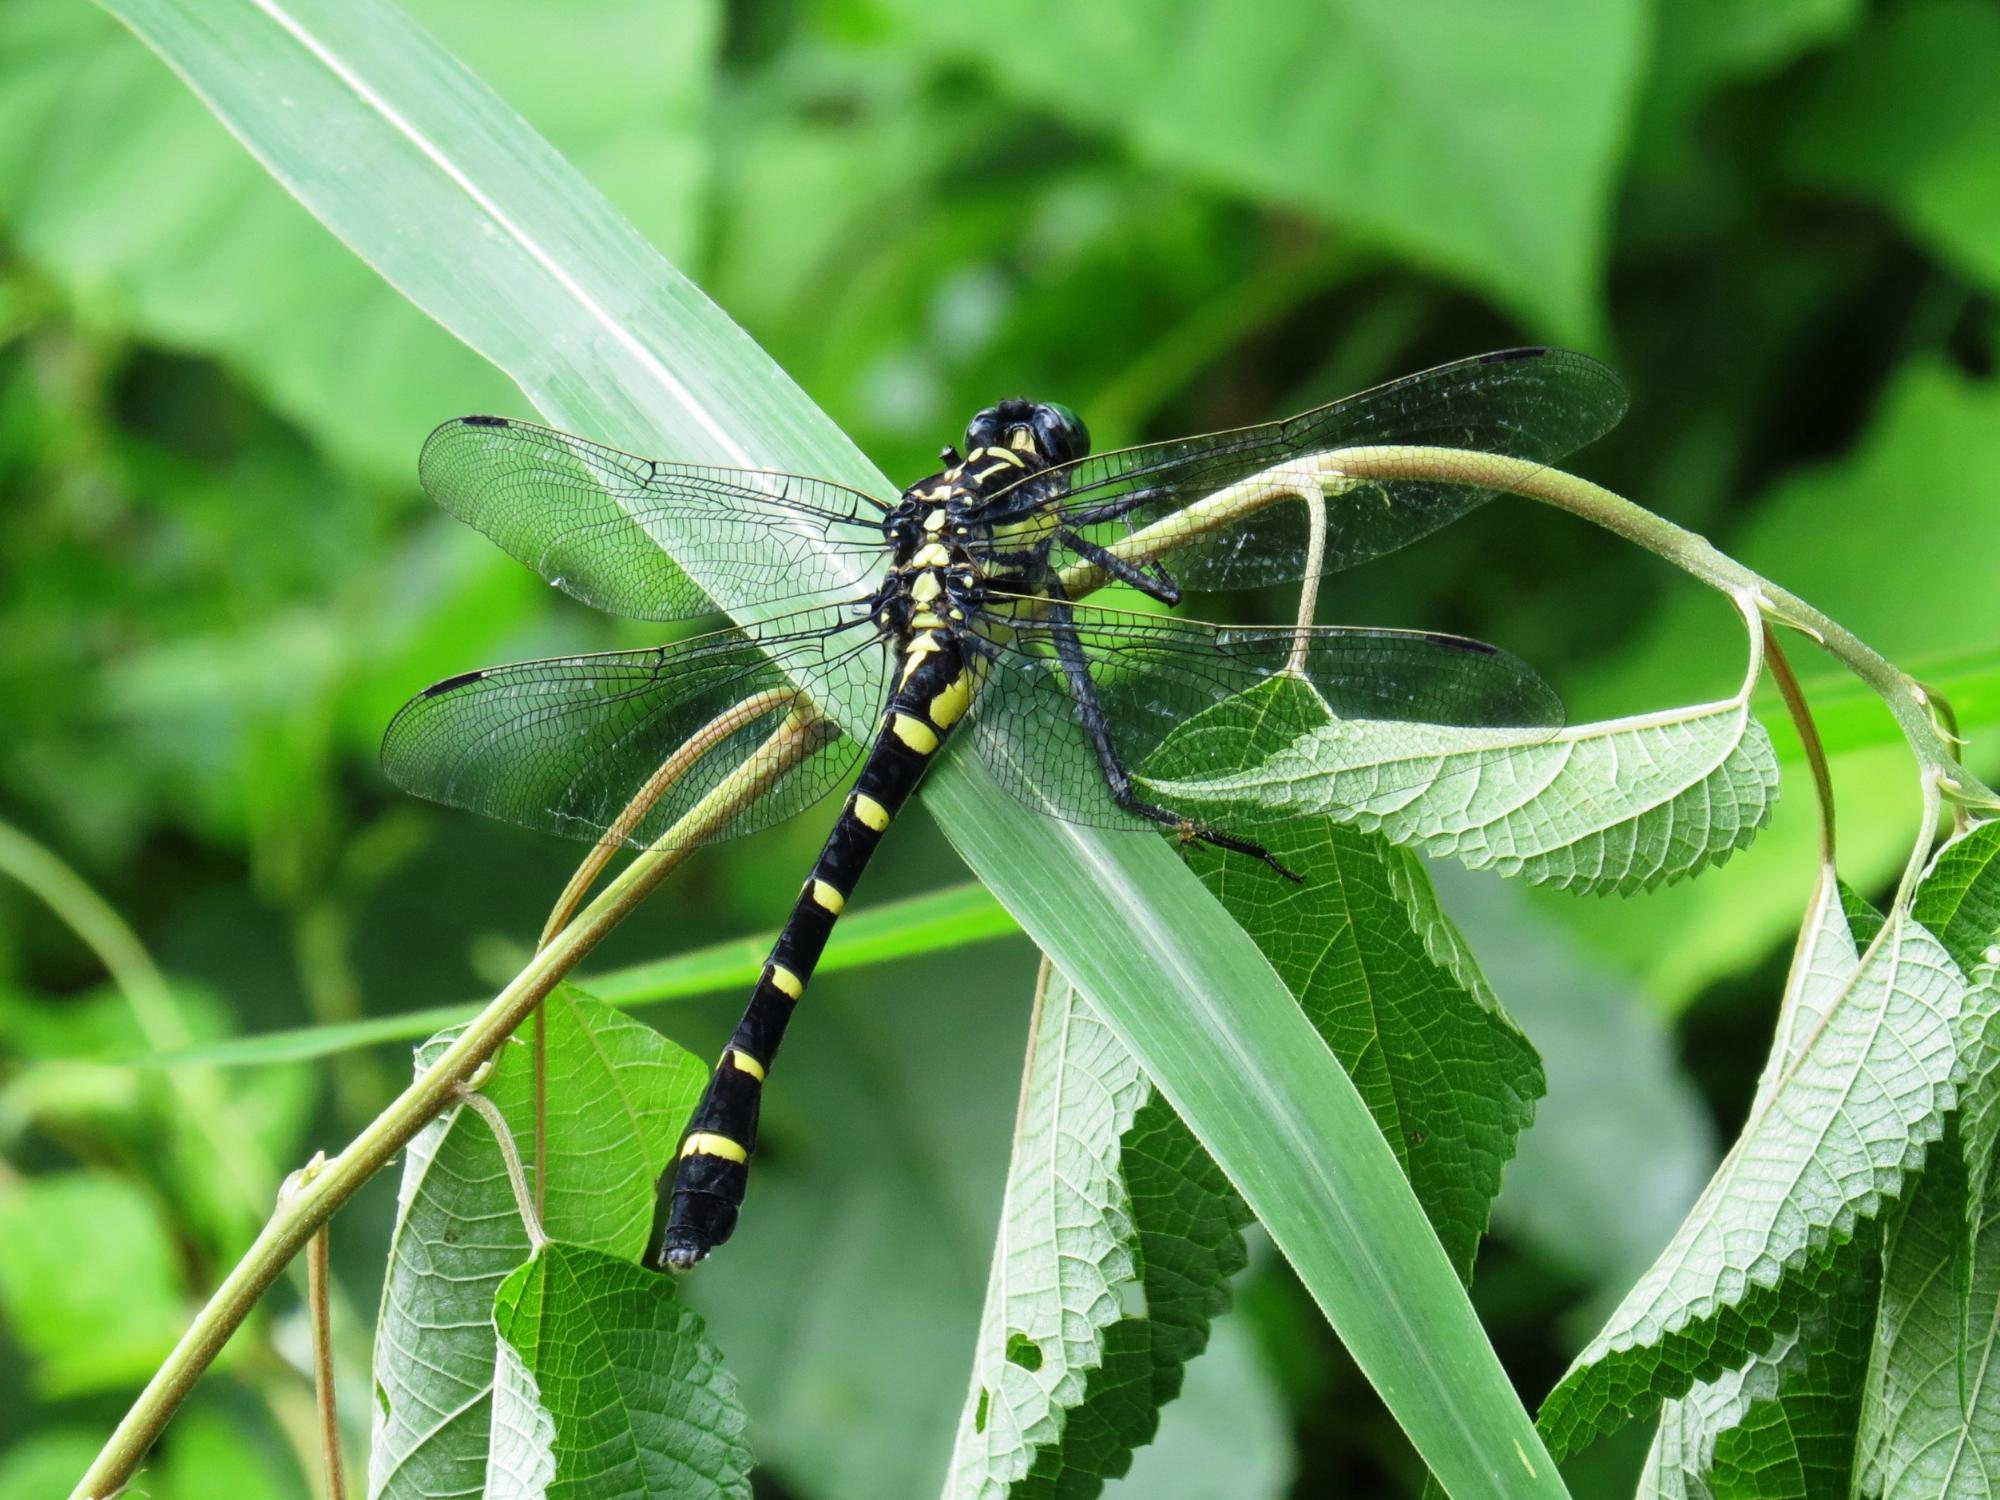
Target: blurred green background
218 580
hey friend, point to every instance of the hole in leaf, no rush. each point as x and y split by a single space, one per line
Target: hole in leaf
382 1397
1023 1351
1132 1299
979 1416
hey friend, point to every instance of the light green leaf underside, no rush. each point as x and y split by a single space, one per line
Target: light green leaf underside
521 1458
610 1388
1931 1425
1932 1422
1066 1247
1378 968
1780 1426
1118 1238
1391 988
1618 805
458 1233
1856 1087
492 234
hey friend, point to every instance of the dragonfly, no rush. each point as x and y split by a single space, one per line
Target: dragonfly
968 589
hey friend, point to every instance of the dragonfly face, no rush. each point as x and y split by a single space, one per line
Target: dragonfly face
947 536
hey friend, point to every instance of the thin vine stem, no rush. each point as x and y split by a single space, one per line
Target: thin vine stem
1345 468
301 1212
510 1156
1808 731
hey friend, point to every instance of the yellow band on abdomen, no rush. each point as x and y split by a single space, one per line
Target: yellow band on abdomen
707 1143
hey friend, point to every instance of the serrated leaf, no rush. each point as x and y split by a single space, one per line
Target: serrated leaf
1781 1426
1512 207
1107 1194
620 1093
1066 1247
1959 901
1618 805
1379 969
607 1366
1931 1426
478 221
1857 1086
1390 986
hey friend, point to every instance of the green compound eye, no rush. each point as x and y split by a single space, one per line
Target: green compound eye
1070 433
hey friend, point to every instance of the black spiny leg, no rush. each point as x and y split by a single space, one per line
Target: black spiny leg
1076 671
1152 580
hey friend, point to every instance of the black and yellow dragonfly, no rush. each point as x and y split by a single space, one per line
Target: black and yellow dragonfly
969 581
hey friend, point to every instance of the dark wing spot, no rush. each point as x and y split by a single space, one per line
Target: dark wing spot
1503 356
451 684
1460 642
484 421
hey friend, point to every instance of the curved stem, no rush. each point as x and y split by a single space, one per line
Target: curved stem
318 1302
510 1156
300 1213
1815 751
1907 701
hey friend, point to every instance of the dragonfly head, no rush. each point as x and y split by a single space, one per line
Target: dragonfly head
1043 429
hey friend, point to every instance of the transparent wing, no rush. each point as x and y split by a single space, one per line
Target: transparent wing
599 524
1536 404
563 745
1149 675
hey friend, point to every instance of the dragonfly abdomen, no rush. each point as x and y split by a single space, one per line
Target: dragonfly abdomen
702 1192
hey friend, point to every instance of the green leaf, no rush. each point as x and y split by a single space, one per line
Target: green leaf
936 922
1931 420
1959 899
1620 805
608 1385
1622 1141
1406 124
854 1374
89 127
1932 1421
1856 1087
1781 1426
1391 988
1107 1195
485 227
619 1094
64 1240
1906 117
1228 1434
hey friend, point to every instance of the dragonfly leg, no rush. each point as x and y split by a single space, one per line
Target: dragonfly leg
1153 580
1117 777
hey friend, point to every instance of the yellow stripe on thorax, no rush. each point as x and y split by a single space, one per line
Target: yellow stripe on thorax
949 706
